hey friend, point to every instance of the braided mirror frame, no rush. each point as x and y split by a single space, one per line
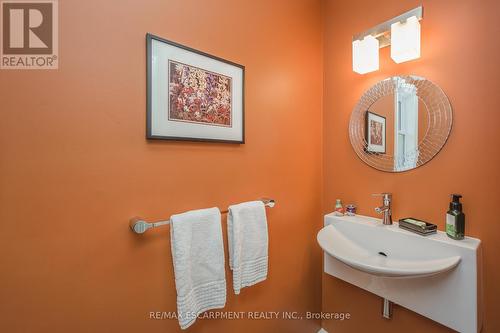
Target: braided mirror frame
439 113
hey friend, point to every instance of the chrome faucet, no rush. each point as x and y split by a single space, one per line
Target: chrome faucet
386 208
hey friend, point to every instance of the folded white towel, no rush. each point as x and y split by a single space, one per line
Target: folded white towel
198 257
248 243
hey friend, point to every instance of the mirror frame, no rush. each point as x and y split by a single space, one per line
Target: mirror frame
440 121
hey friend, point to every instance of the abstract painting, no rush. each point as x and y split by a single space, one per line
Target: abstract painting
199 96
375 133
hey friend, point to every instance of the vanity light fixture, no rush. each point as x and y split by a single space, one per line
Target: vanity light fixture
402 33
365 55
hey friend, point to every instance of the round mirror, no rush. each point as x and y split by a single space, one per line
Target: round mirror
400 123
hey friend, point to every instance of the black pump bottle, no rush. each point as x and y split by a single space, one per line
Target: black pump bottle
455 218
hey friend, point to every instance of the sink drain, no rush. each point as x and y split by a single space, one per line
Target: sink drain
382 254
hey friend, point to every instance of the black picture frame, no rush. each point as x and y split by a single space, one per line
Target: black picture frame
367 133
149 86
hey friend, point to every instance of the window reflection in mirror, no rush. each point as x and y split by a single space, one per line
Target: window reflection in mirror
406 118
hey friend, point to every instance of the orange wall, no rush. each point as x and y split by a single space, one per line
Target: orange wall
75 166
460 53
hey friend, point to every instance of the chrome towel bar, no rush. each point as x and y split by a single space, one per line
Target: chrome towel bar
139 226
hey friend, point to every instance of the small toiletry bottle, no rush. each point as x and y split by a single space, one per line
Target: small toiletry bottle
339 210
455 218
350 210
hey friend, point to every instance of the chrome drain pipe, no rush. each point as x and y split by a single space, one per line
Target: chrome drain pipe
386 308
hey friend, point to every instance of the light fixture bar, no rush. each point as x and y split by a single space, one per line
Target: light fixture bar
383 31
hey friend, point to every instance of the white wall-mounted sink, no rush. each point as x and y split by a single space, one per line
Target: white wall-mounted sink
434 275
369 247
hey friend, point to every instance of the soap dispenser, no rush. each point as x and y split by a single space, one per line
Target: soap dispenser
455 218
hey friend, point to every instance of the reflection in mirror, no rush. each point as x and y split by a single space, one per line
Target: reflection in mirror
400 123
406 126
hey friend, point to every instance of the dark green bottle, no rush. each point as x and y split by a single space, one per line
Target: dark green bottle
455 218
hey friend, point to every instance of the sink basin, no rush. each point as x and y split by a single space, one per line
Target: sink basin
383 250
435 276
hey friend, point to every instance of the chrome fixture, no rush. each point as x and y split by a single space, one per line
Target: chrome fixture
385 208
139 226
382 31
386 308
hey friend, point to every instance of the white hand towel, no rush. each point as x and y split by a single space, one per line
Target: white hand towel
248 243
198 257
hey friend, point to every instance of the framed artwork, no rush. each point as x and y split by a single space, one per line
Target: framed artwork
375 133
192 95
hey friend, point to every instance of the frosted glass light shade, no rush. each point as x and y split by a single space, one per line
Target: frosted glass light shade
365 55
405 40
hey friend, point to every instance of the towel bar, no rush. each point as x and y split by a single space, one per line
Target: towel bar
139 226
